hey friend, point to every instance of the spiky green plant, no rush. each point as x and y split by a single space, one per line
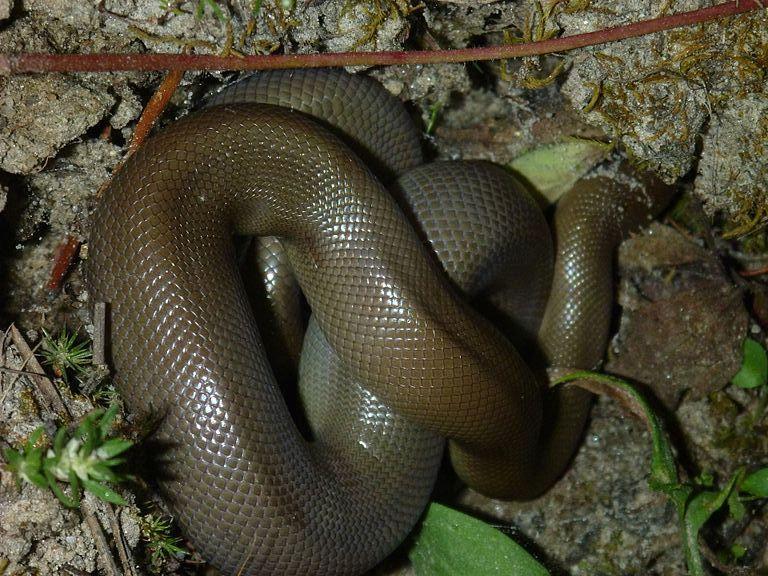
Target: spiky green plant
156 532
64 354
86 459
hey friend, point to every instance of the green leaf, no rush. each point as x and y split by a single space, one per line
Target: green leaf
106 420
699 510
738 551
705 478
754 366
63 498
13 458
27 463
113 447
756 483
33 439
34 458
75 484
553 169
704 504
454 544
59 440
103 492
433 113
102 473
88 432
736 507
663 473
36 477
663 465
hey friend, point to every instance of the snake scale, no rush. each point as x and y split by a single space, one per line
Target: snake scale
395 358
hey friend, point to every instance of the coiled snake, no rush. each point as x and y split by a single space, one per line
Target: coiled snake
395 358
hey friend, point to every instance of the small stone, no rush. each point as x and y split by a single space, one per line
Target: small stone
5 8
683 321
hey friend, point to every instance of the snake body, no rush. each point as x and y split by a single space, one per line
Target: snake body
395 359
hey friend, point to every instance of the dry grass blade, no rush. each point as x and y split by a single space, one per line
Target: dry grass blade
48 391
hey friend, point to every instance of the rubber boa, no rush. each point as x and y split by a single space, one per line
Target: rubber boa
395 358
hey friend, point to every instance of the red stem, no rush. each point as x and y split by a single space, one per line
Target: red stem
20 63
62 260
754 272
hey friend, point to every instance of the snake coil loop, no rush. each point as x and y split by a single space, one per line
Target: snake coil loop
394 359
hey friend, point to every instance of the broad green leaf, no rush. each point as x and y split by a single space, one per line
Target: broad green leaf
756 483
552 169
451 543
754 366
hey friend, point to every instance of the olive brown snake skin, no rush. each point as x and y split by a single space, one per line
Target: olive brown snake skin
394 359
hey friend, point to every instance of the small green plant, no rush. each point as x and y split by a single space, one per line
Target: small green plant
106 395
451 543
156 532
754 366
215 8
64 354
86 459
753 375
27 463
695 501
434 112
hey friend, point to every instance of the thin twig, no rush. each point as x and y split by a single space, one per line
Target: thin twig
754 272
117 536
3 390
23 63
73 571
99 334
99 539
6 370
46 387
154 109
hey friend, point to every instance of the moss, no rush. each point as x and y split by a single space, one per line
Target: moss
376 13
27 403
658 91
540 24
733 172
739 435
